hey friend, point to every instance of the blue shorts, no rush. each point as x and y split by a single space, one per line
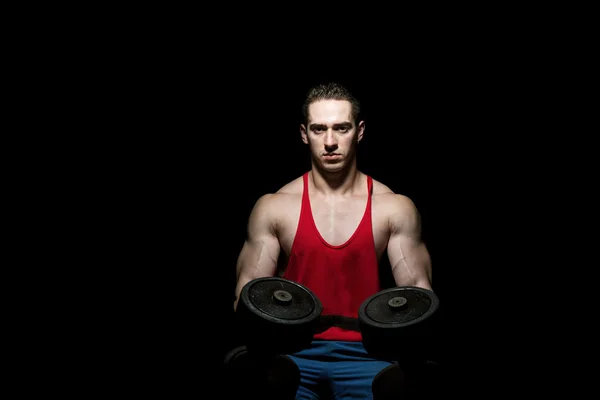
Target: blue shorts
343 369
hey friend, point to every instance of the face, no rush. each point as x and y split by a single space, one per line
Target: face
332 134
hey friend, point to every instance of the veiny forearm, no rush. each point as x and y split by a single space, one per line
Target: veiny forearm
257 260
412 268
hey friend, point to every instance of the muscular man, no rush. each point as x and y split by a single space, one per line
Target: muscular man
334 224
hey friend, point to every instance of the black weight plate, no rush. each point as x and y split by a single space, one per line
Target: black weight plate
281 301
398 307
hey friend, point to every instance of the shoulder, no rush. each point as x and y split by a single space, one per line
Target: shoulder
400 210
293 187
271 205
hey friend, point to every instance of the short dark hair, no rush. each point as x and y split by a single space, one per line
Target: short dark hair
330 91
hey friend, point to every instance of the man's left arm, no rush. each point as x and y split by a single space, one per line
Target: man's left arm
408 254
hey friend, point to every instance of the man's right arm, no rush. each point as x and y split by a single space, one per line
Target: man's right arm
260 251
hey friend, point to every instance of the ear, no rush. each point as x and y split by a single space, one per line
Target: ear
361 130
303 133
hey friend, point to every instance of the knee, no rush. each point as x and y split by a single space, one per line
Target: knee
250 375
283 378
389 383
422 381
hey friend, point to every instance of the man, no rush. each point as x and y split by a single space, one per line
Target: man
334 225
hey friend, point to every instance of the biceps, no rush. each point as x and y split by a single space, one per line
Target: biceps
410 261
258 257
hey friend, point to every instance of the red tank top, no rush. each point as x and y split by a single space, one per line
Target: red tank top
343 276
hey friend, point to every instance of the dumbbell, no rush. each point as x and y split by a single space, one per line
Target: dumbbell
275 317
397 323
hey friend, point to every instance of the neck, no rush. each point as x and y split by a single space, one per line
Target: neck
338 182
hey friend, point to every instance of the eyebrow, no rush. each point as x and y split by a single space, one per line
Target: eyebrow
346 125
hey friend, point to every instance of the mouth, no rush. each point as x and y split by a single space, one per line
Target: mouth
332 156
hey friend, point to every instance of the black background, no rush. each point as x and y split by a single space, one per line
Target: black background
186 181
188 152
176 126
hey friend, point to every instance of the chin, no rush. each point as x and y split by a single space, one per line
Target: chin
332 167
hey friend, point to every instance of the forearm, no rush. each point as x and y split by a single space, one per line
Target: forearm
248 273
412 269
259 255
420 280
241 282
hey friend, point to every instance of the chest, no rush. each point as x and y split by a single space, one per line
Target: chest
336 220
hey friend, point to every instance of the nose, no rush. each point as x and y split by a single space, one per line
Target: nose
330 141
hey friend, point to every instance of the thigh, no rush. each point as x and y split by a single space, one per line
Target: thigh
310 374
354 379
